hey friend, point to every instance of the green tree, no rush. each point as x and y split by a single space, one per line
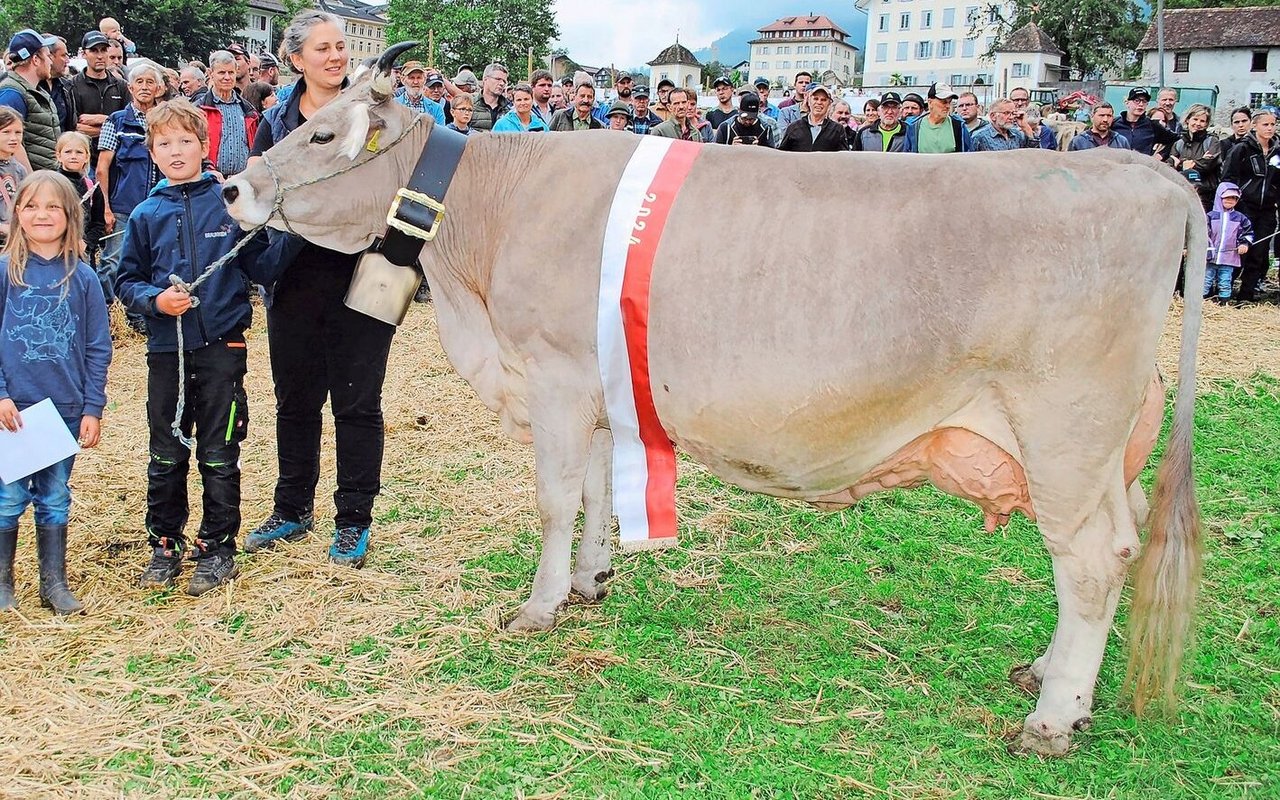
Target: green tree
1217 3
163 30
477 32
1095 35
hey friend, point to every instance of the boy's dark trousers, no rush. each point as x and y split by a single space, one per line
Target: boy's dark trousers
218 409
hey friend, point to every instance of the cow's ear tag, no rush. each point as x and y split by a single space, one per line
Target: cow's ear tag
372 146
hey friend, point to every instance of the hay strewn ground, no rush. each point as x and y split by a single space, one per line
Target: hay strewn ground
235 693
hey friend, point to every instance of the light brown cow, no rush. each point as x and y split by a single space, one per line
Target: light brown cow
1021 384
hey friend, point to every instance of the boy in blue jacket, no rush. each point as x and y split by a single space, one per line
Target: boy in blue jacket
180 229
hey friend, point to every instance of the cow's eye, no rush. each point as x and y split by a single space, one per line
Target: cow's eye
322 137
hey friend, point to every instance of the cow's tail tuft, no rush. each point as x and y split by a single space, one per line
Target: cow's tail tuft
1168 572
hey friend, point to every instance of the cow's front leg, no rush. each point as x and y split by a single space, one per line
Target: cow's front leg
591 568
1028 677
561 417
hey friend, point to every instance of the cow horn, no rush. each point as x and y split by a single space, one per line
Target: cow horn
388 58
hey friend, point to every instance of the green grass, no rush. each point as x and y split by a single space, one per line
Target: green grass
862 653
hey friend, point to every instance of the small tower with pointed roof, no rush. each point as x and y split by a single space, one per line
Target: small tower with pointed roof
678 65
1027 60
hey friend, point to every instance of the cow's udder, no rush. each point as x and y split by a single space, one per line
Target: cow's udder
957 461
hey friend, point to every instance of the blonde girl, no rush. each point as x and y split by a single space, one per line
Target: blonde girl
55 344
73 152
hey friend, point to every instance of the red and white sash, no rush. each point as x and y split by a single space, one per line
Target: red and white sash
644 462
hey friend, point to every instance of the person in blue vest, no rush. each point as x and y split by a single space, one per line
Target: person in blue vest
126 173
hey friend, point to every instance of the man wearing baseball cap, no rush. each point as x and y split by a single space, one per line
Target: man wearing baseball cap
98 91
745 127
723 87
414 92
761 84
664 92
622 85
642 117
1142 132
939 131
242 64
815 131
268 69
29 55
889 134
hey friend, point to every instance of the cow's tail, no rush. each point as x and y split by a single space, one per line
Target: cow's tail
1168 572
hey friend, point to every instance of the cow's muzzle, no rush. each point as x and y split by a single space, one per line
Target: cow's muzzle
243 204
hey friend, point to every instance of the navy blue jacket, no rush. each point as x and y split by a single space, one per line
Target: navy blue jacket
1144 134
181 230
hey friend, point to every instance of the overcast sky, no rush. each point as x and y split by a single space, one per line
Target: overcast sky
600 33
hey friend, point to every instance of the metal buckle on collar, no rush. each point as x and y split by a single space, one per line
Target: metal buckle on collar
409 228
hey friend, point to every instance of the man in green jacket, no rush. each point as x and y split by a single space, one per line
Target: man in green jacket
29 54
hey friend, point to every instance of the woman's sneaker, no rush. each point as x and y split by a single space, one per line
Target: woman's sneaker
276 528
166 564
350 546
214 568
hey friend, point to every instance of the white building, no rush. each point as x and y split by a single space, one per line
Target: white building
678 65
813 43
1235 49
365 27
263 25
1027 59
917 42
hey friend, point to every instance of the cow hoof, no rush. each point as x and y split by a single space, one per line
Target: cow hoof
528 620
588 595
1082 724
1038 739
589 589
1025 678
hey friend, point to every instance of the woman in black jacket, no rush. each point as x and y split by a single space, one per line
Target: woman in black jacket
1197 155
320 349
1254 166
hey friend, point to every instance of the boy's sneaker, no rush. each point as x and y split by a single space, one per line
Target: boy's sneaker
166 563
214 568
276 528
350 546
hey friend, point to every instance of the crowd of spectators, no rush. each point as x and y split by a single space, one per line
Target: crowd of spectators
107 103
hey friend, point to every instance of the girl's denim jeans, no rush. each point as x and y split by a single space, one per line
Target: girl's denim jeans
48 490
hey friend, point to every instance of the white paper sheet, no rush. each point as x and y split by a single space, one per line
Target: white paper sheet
42 442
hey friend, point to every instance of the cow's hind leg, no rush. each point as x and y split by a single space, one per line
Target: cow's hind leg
562 420
591 568
1089 568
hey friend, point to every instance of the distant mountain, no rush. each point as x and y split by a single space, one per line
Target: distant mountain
732 47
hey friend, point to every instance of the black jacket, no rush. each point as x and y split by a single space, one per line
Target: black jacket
1205 150
1258 176
733 128
1144 134
797 137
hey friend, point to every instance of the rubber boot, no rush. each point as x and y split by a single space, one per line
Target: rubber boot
51 546
8 544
